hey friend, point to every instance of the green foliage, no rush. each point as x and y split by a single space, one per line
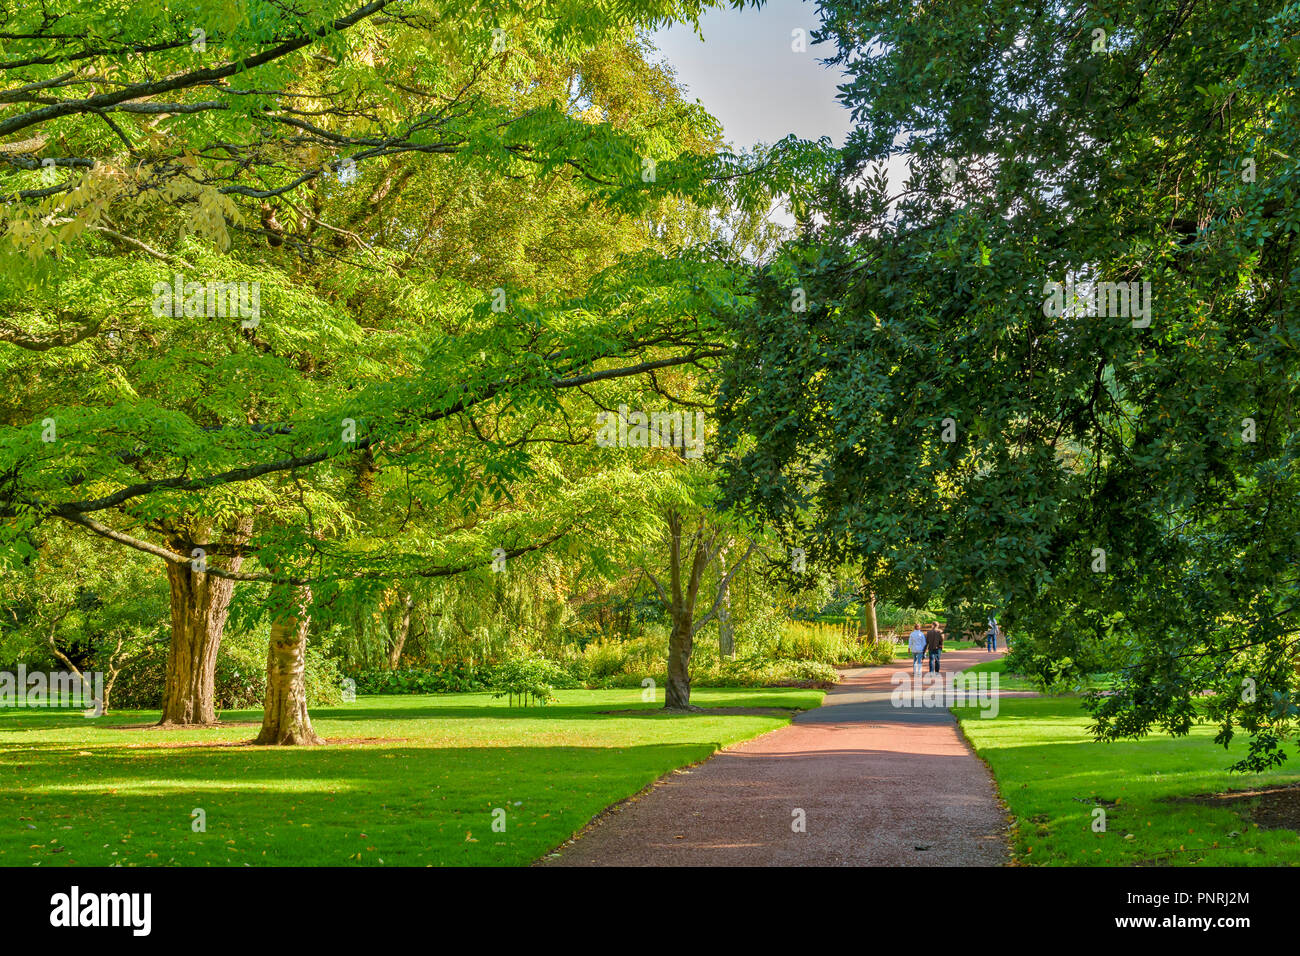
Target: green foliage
240 676
603 661
934 417
796 655
760 672
827 643
447 679
436 329
1052 674
529 678
708 670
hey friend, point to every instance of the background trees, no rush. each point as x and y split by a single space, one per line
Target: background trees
448 237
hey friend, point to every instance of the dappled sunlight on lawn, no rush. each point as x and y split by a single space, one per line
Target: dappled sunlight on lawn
1060 783
416 783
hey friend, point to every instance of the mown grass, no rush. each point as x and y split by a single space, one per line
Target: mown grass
1005 681
1052 776
417 784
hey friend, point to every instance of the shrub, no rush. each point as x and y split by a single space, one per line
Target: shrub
241 678
758 672
1054 675
877 653
740 672
140 684
758 633
323 679
530 677
827 643
795 655
604 659
438 679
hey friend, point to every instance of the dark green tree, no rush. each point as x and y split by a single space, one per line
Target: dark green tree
1055 371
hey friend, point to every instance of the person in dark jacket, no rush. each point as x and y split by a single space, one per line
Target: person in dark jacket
934 646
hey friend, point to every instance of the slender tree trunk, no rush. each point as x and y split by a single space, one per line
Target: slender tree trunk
682 596
284 715
399 639
726 628
115 665
869 603
681 605
726 632
200 603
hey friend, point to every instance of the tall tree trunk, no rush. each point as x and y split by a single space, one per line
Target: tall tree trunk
681 597
677 695
681 606
200 603
869 604
726 628
399 639
284 714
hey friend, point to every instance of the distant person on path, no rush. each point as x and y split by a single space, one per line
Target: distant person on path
934 646
991 638
916 642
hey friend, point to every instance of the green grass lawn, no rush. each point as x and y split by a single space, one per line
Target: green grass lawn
418 785
1005 681
1051 775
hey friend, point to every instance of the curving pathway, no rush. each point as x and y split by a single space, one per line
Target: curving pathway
877 785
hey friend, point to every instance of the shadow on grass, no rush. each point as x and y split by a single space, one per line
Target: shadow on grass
315 806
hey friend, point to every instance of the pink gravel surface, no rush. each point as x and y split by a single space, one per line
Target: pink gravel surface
876 785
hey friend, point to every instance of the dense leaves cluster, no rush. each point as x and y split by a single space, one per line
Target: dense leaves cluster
1104 480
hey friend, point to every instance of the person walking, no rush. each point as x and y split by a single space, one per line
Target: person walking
916 643
991 638
934 646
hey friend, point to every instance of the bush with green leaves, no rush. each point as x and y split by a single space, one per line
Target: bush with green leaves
435 679
1056 671
530 678
827 643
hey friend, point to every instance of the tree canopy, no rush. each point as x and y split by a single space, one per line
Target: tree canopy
1056 373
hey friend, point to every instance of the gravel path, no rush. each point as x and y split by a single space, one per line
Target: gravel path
877 785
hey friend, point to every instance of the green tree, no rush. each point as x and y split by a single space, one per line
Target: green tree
368 373
68 608
1115 466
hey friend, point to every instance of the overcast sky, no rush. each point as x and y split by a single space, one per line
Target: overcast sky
745 73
